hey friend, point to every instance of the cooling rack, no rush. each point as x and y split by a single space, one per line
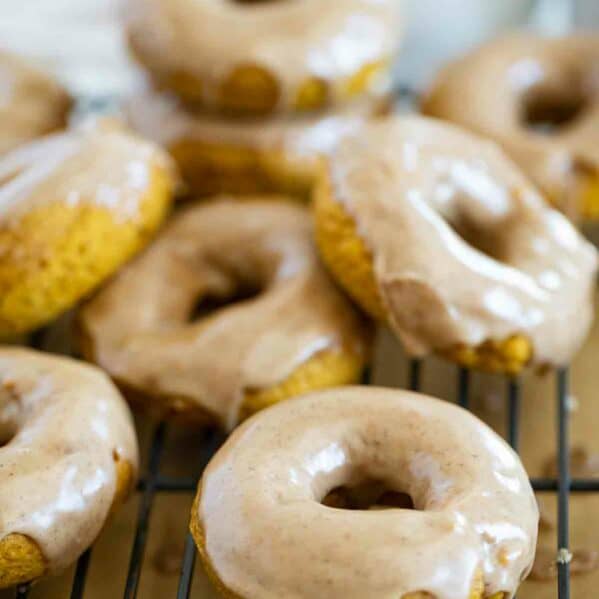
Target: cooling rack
154 483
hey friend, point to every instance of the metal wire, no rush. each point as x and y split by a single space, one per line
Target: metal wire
80 575
513 412
143 517
155 483
464 387
563 487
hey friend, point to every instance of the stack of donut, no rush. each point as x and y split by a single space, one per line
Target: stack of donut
247 94
74 206
239 304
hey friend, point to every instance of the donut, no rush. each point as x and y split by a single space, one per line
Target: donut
539 98
257 57
435 232
32 103
158 331
261 155
68 456
267 523
73 207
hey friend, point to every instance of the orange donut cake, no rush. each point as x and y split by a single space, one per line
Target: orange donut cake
435 232
258 155
31 104
68 456
539 98
74 206
261 57
267 525
158 330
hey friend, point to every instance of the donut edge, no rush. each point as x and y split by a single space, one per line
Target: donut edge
350 261
21 558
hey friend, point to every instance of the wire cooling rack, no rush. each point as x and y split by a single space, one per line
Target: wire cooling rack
154 483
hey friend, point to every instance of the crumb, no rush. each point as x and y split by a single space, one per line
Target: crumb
582 561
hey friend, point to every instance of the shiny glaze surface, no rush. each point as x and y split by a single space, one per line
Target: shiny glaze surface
485 91
61 425
31 103
164 120
142 329
464 248
98 163
295 40
267 534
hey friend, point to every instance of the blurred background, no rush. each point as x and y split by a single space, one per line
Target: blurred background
81 40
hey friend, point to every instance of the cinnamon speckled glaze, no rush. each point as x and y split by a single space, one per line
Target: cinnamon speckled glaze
295 54
74 206
100 163
31 102
64 430
264 532
464 248
142 329
496 89
270 154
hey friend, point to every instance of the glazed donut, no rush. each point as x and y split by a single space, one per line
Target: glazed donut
259 57
68 455
73 207
295 333
32 103
217 155
266 526
435 232
514 84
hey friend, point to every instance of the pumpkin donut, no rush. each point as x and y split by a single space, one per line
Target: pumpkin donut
262 155
435 232
68 456
539 98
32 103
255 58
73 207
310 499
156 329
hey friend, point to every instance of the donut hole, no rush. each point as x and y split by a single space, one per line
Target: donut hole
368 495
9 412
215 300
8 430
548 111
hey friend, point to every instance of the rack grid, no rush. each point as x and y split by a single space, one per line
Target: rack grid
154 483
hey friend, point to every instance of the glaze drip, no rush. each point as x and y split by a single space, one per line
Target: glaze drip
66 423
139 328
266 534
464 248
